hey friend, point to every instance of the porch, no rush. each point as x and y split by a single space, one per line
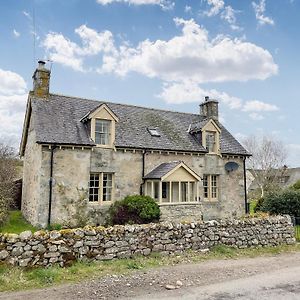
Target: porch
172 182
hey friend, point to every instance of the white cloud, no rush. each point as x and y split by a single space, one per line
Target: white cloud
191 55
68 53
216 7
228 15
27 15
12 106
164 4
259 9
16 33
258 106
255 116
11 83
187 9
188 92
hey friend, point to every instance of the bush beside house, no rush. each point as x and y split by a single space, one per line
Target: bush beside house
134 209
284 202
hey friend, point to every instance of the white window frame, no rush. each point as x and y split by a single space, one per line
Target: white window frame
211 187
100 188
211 146
103 133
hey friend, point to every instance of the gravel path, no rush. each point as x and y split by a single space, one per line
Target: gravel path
215 279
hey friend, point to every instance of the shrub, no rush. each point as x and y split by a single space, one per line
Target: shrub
296 185
258 204
4 207
134 210
284 202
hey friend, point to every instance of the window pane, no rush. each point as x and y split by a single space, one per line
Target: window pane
164 190
102 132
183 191
214 187
205 186
94 187
210 141
107 186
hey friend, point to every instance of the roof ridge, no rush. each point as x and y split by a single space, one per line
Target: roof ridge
132 105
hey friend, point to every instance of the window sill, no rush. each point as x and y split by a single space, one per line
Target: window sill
178 203
214 153
100 204
105 146
210 200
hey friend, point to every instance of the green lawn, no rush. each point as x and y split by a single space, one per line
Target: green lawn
252 206
297 233
16 223
14 278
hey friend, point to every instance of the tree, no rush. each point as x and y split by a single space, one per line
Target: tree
8 171
267 163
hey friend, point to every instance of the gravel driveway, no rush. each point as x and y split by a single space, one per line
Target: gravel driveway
273 277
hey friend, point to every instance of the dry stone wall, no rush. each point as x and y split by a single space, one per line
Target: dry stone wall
45 248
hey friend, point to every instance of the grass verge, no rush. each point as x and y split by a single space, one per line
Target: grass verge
297 232
14 278
16 223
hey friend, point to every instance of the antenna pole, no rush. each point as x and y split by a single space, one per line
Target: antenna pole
34 33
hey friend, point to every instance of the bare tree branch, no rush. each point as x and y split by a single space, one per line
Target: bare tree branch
267 163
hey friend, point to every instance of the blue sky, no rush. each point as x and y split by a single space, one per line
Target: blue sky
161 53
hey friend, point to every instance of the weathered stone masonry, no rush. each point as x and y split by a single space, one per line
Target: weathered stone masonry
98 243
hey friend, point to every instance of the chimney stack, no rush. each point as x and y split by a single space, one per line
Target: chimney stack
41 80
209 109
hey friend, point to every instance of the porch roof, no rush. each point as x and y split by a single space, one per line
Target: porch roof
164 169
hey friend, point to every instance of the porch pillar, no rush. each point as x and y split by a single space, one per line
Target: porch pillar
145 188
160 192
179 191
197 190
170 191
188 192
152 189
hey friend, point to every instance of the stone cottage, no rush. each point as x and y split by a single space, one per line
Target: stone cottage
81 155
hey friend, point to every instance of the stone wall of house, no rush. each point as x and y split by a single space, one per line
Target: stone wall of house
231 184
71 173
31 177
184 212
98 243
72 168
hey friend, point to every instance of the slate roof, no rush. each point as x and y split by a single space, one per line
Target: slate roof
162 170
57 120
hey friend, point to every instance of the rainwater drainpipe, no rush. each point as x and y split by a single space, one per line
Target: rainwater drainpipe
51 183
245 186
143 170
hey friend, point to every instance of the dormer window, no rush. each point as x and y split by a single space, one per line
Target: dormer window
211 141
210 136
154 131
103 126
102 132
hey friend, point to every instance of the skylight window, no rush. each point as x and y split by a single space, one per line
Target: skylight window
154 131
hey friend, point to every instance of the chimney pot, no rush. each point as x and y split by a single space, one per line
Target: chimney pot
206 98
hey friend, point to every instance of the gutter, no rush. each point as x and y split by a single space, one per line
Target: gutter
245 187
51 184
